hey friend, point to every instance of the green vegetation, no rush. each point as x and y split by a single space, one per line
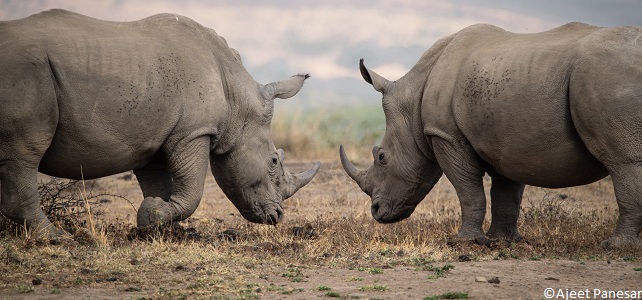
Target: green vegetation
374 287
314 134
426 265
294 274
440 272
23 289
333 294
449 295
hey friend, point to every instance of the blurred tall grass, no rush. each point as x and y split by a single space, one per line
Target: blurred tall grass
317 134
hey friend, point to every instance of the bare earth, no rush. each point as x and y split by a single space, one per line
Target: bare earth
518 279
332 193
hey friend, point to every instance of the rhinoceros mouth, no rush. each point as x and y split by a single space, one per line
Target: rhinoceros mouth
264 215
385 213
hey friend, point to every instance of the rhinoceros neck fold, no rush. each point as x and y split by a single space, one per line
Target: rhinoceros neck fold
416 82
241 98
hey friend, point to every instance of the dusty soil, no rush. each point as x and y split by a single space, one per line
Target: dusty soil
332 193
516 279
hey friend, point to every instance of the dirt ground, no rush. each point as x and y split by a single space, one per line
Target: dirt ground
332 193
516 279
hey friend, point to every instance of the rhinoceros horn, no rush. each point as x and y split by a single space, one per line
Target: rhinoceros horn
352 171
296 181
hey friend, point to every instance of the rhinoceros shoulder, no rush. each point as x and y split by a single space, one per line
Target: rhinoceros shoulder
572 26
185 24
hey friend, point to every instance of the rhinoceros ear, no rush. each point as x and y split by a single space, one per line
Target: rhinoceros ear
379 83
285 88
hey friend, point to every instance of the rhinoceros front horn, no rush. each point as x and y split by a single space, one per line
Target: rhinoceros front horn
352 171
296 181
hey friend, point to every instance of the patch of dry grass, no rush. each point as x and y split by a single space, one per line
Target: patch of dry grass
217 254
327 224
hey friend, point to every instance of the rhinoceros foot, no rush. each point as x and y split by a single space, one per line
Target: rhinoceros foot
481 240
154 211
510 235
46 231
622 242
488 241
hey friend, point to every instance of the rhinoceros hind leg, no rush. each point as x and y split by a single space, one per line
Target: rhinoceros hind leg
628 191
20 201
506 198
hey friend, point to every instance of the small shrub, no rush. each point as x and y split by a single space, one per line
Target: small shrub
374 287
333 294
67 204
294 274
449 295
23 289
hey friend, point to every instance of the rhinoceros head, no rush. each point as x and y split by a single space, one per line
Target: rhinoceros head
401 174
251 172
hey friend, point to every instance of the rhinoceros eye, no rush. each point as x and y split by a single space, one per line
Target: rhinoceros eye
381 156
275 160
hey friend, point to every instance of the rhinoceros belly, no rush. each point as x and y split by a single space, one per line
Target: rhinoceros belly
552 164
73 158
100 144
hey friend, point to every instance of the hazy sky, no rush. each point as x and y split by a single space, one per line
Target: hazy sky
327 37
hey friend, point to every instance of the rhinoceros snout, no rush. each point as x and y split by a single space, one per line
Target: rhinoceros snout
273 217
270 216
384 214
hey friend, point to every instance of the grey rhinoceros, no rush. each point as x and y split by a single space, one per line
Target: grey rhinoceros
85 98
553 109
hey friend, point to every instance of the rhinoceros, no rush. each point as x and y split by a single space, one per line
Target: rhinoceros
83 98
553 109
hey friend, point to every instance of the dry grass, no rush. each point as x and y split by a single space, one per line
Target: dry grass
328 224
216 254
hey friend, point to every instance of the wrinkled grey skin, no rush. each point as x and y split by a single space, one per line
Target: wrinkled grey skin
554 109
164 96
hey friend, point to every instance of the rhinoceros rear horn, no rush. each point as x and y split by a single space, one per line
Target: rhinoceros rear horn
285 88
296 181
379 83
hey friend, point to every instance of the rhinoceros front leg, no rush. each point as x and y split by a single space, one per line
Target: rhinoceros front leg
187 166
462 168
20 201
506 199
628 192
154 178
